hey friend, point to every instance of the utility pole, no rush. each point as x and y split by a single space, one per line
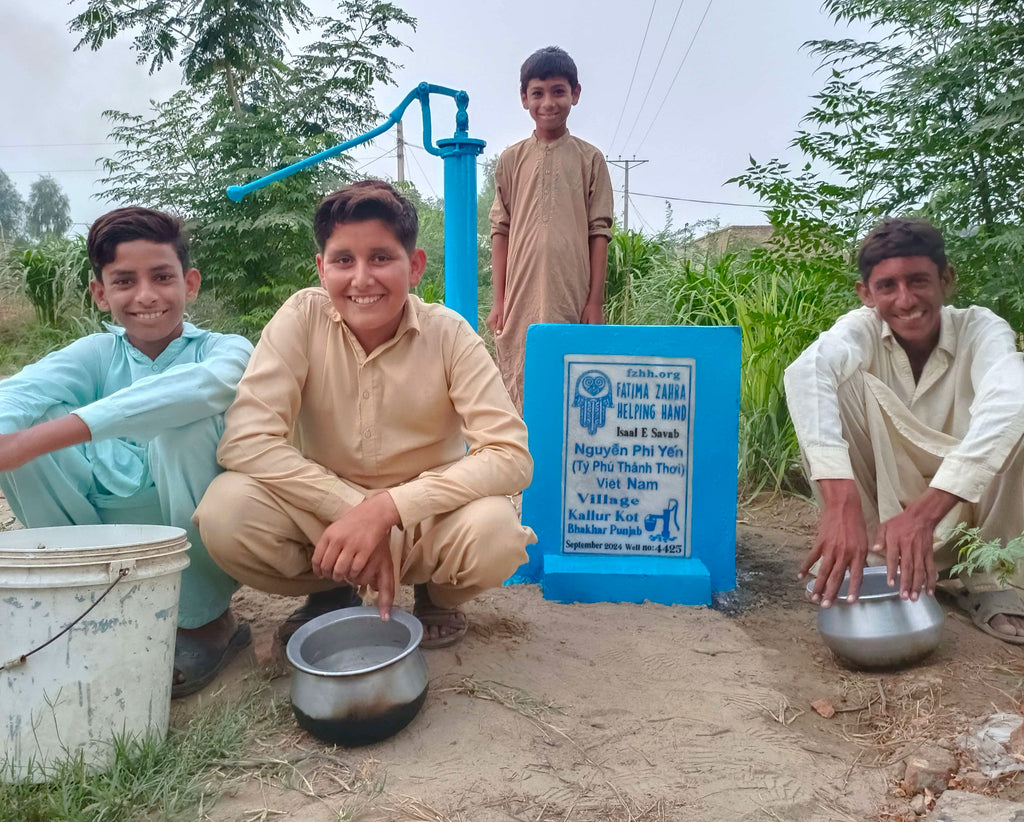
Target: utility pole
400 151
625 205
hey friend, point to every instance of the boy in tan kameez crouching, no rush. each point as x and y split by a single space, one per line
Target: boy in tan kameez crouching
910 416
371 441
550 222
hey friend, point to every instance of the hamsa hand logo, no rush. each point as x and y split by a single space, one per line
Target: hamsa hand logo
593 397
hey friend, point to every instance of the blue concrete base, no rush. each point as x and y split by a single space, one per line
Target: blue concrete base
590 578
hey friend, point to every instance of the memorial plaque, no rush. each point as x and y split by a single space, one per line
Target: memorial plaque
626 478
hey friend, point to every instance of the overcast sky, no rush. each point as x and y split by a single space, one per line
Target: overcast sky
741 90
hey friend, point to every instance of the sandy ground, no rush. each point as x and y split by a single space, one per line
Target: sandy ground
634 712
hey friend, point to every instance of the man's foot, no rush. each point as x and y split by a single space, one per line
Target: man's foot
998 613
200 653
1008 624
441 626
317 604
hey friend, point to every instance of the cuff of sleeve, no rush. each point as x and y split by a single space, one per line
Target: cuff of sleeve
600 231
964 478
411 505
101 421
497 231
829 463
340 497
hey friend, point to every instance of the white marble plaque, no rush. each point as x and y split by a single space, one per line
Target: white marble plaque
626 457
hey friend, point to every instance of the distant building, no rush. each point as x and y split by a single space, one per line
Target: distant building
734 239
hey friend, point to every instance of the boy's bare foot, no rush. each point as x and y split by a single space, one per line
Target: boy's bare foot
200 653
441 626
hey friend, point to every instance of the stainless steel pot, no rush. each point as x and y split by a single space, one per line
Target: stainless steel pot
357 679
880 630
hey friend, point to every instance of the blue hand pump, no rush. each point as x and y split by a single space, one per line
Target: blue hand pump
459 153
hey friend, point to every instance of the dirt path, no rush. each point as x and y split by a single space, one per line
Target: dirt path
636 712
626 712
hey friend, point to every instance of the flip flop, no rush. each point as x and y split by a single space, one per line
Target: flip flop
200 661
431 615
981 606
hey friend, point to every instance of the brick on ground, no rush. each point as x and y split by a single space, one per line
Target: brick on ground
929 769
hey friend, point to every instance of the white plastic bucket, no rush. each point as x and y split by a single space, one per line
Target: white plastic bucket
110 673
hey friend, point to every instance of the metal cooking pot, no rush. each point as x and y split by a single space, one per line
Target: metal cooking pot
357 679
880 630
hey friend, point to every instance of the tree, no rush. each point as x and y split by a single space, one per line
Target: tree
484 200
49 213
12 208
224 39
231 125
926 118
430 212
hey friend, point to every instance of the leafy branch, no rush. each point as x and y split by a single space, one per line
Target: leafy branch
991 557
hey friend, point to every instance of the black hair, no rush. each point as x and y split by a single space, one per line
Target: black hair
550 61
123 225
367 200
901 237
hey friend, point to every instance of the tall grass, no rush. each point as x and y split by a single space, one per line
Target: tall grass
779 309
55 277
44 301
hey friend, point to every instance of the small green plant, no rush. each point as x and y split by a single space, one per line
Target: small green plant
56 276
991 557
148 778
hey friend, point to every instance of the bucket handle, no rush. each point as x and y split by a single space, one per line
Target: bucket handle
18 661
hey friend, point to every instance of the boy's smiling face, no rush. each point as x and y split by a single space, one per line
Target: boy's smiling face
549 103
145 290
367 273
908 293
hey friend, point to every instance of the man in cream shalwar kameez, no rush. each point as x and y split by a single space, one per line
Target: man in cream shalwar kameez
919 407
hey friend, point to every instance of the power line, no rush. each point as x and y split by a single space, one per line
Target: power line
655 75
676 75
56 145
692 200
425 177
625 165
58 171
642 220
636 65
375 159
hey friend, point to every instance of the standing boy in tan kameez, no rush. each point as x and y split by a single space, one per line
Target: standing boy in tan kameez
550 222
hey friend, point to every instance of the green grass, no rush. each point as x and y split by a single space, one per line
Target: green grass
25 334
148 778
779 311
23 339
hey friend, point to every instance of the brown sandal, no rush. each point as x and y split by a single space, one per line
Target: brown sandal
432 615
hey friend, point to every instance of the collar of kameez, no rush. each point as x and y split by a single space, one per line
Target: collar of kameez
188 332
550 143
410 322
947 333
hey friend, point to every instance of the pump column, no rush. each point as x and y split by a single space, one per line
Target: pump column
460 238
460 241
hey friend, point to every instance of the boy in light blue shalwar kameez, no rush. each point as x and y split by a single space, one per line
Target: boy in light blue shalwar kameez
123 427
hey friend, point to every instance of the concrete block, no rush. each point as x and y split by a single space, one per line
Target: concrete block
669 581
